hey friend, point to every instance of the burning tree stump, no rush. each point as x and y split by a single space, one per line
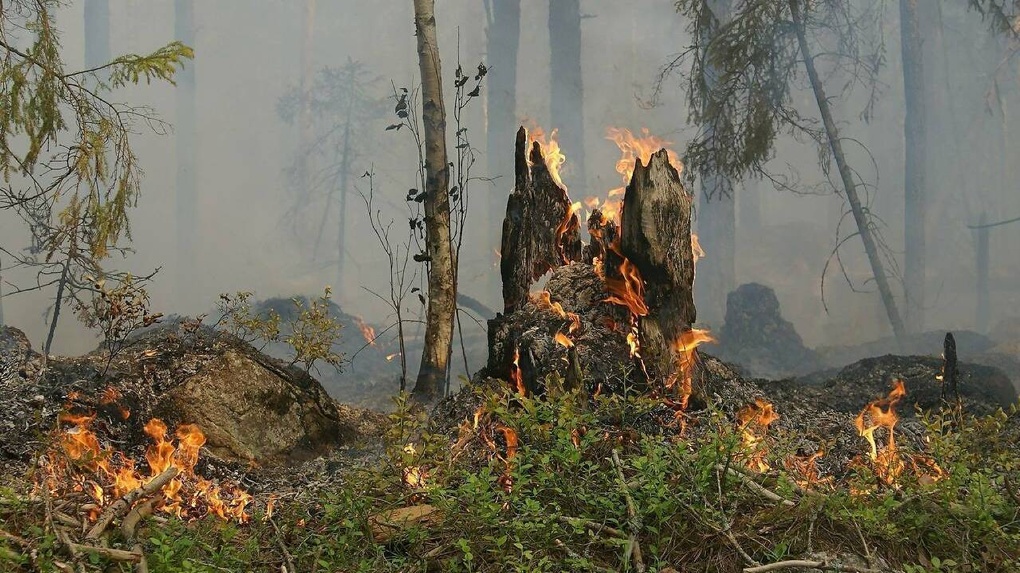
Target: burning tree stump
623 302
540 231
655 235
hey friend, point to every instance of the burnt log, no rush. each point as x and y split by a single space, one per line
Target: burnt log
655 235
540 231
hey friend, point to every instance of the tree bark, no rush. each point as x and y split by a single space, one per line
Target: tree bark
566 87
184 136
503 38
655 235
540 232
835 143
442 302
915 143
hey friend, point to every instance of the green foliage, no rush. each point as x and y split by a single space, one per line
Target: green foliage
311 334
558 503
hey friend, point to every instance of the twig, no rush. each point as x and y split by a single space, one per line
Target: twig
122 505
803 563
142 566
633 547
756 487
736 545
598 527
286 554
133 517
109 553
16 539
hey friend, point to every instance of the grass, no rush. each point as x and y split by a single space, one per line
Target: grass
554 499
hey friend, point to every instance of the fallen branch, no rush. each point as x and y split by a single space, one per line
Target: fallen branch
286 554
598 527
634 521
122 505
107 552
136 515
806 564
756 487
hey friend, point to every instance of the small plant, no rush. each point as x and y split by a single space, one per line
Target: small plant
237 318
117 311
313 333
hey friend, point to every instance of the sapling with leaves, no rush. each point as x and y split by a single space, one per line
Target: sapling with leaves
69 170
118 309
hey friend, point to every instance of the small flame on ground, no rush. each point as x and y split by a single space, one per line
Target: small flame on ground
78 449
753 422
543 299
563 340
515 373
686 346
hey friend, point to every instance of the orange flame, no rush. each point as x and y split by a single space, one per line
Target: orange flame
554 157
629 289
686 346
515 373
563 340
753 422
367 332
80 446
877 414
543 299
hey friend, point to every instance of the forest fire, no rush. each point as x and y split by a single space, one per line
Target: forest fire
78 463
753 422
554 157
367 332
686 346
889 463
628 289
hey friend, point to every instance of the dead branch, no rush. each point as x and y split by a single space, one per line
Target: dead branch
133 517
107 552
755 486
596 527
122 505
806 564
289 568
634 521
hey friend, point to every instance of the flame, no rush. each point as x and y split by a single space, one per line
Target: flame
543 299
634 342
515 373
390 357
111 474
881 413
554 157
563 340
698 252
629 289
366 331
753 422
686 346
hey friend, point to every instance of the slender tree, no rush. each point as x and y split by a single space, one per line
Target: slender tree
442 301
566 101
184 135
915 144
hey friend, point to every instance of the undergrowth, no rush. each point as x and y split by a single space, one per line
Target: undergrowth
559 484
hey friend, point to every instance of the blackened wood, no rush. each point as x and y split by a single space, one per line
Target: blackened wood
655 234
539 232
950 370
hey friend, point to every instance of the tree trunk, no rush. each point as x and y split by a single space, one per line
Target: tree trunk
442 302
566 87
655 235
836 144
915 144
503 36
540 232
184 134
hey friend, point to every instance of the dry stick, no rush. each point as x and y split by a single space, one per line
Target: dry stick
633 547
286 554
109 553
757 487
136 515
598 527
121 506
802 563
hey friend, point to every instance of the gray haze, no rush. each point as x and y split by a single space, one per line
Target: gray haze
248 55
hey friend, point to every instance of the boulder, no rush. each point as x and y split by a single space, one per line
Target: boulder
18 362
757 338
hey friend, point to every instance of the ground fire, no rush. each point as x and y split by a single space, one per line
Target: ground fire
77 462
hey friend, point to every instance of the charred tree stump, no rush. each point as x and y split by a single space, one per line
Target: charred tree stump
950 369
655 235
540 232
